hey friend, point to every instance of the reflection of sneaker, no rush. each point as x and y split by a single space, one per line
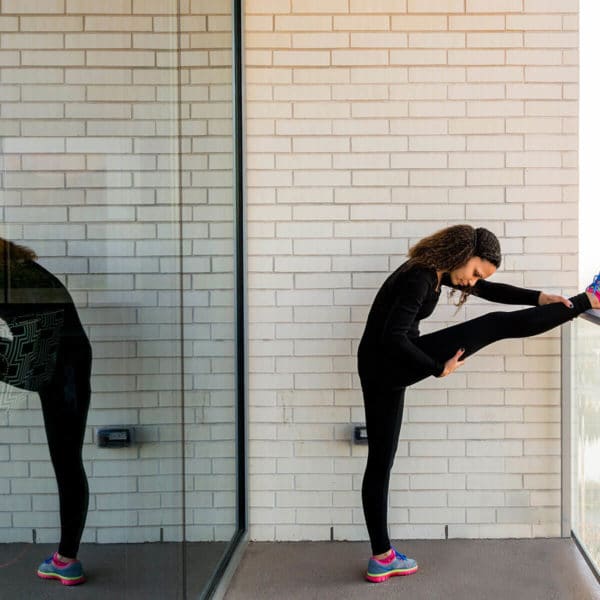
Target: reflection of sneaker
67 573
594 288
395 564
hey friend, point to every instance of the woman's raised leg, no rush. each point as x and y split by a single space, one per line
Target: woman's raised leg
475 334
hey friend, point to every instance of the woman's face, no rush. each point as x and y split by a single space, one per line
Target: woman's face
472 271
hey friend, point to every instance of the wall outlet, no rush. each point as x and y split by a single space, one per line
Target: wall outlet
360 434
115 437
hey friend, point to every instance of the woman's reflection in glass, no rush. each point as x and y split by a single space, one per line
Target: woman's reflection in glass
49 353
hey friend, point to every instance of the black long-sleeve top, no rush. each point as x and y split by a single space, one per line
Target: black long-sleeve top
27 288
48 338
407 296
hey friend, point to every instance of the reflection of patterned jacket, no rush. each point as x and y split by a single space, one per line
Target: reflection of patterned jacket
43 323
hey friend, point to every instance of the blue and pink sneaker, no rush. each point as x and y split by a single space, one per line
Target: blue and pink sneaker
396 564
594 288
68 573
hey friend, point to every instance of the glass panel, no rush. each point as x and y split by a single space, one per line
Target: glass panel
585 434
91 184
585 356
117 162
209 285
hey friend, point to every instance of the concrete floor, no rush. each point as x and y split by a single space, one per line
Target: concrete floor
113 571
531 569
538 569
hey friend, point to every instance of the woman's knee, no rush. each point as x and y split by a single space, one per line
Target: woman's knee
381 457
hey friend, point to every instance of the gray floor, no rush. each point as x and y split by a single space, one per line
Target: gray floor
113 571
532 569
539 569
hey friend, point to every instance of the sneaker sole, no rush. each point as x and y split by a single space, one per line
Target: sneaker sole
62 579
386 576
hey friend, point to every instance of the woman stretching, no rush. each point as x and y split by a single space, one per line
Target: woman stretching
392 355
49 353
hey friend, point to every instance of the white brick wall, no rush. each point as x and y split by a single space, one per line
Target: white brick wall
90 170
369 125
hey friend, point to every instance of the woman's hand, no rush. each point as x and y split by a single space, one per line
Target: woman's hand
453 363
551 298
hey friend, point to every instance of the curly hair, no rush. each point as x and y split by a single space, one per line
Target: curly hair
452 247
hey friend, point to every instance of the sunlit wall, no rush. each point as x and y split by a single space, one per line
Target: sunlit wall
589 133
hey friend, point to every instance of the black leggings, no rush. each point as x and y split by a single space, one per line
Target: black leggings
384 407
65 402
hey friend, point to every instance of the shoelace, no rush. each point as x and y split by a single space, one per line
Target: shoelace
403 556
596 284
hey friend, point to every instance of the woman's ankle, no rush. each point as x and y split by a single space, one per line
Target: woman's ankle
594 301
384 555
64 559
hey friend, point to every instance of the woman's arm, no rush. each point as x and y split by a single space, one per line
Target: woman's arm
505 293
510 294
